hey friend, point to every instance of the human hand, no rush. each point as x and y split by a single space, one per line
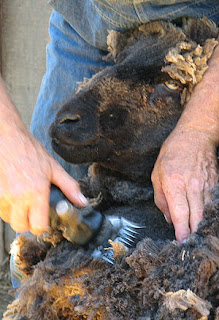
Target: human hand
26 173
183 175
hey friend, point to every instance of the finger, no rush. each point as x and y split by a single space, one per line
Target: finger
195 197
160 201
18 217
5 210
68 185
39 212
179 211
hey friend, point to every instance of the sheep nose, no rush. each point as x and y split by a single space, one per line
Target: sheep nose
68 119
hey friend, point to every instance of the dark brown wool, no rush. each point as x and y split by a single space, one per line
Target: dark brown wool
123 115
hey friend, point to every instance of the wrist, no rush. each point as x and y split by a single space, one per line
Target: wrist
192 134
9 115
10 120
208 125
202 111
10 123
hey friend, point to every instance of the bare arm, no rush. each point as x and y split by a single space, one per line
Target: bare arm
186 168
26 172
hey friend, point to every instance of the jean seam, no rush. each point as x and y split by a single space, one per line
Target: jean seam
140 12
112 21
136 11
180 9
215 10
117 12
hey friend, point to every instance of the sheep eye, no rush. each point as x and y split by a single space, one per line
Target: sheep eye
113 118
171 85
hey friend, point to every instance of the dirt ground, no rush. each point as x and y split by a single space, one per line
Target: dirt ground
5 286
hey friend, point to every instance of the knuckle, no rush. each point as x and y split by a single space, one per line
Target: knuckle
18 225
153 177
174 186
75 183
156 178
170 172
157 202
176 179
180 214
197 215
161 204
181 218
5 208
40 187
195 185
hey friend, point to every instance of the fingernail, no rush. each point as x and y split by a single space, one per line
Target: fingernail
166 219
184 241
83 199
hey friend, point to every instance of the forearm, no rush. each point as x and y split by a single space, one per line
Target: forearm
9 115
202 110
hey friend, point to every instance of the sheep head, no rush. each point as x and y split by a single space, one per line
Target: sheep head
121 116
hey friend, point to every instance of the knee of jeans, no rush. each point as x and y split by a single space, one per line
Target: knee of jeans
16 276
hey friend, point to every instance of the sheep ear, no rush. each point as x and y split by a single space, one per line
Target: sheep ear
157 28
161 29
117 42
81 84
200 30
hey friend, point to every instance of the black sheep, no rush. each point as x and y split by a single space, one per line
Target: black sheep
118 121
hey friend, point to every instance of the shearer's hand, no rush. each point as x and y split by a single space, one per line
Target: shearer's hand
184 174
26 172
186 168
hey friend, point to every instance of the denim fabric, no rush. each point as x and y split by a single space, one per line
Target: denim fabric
69 60
17 277
92 18
78 30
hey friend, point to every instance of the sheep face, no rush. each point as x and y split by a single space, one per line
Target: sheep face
131 121
121 116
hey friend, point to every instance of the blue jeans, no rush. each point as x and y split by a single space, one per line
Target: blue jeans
78 30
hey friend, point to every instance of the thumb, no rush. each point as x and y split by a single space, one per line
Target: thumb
67 185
